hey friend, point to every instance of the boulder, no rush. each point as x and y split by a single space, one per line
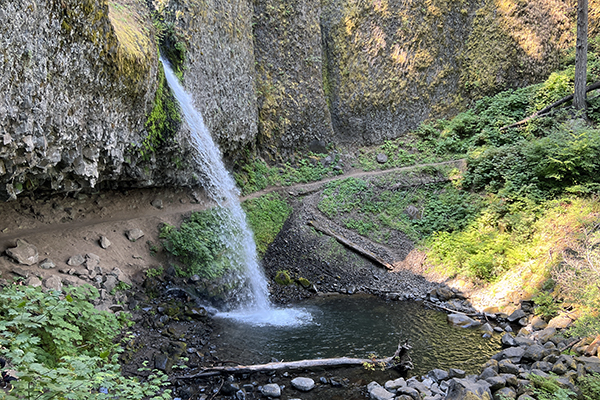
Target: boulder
134 234
377 392
538 324
25 253
505 393
462 321
271 390
33 281
47 264
461 389
496 382
517 315
52 283
456 373
395 384
508 340
508 367
513 353
381 158
104 242
76 260
560 322
303 384
408 391
438 375
535 352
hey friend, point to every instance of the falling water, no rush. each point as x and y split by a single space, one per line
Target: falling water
221 188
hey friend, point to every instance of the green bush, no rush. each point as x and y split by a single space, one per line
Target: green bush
62 347
589 386
266 216
201 243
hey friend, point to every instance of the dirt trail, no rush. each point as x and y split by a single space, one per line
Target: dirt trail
62 226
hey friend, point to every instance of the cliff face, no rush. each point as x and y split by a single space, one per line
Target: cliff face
84 101
76 81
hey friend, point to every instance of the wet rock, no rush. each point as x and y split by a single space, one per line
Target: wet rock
377 392
392 386
486 328
456 373
461 389
52 283
505 393
517 315
381 158
25 253
408 391
75 260
104 242
462 321
271 390
47 264
196 312
303 384
438 375
508 340
134 234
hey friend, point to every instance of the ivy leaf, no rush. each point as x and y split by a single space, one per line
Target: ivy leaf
69 298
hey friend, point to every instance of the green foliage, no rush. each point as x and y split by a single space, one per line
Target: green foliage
62 347
283 278
266 216
163 121
201 243
546 306
255 175
549 389
589 386
155 272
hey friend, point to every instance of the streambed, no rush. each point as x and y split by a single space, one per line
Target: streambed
357 326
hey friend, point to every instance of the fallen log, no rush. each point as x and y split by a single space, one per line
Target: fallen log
400 361
547 109
353 246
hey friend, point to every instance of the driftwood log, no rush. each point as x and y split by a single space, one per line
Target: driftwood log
353 246
400 361
547 109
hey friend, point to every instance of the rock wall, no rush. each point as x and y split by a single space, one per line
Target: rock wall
77 80
219 69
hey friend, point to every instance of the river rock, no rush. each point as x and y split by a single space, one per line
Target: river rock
487 328
303 384
461 389
25 253
508 367
560 322
462 321
488 372
408 391
104 242
456 373
496 382
438 375
134 234
505 393
512 353
535 352
517 315
271 390
377 392
508 340
392 386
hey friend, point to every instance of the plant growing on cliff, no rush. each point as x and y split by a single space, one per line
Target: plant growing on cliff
266 216
62 347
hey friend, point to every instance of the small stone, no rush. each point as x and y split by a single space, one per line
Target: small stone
157 203
271 390
303 384
381 158
134 234
75 260
25 253
104 242
47 264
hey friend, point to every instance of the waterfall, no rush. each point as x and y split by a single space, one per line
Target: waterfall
221 188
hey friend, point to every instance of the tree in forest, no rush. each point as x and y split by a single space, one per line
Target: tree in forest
581 56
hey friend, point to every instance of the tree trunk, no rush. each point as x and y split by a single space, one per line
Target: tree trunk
581 56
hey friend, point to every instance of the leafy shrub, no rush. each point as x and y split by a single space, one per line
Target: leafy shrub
266 216
589 386
62 347
546 306
201 243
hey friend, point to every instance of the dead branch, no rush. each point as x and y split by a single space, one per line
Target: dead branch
547 109
371 256
400 360
451 310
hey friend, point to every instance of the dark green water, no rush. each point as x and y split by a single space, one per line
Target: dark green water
357 326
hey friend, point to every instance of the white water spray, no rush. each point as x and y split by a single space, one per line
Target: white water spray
221 188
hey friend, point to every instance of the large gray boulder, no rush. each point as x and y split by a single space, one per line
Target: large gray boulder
377 392
25 253
462 321
466 389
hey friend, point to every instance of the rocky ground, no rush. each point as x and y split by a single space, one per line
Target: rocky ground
111 240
